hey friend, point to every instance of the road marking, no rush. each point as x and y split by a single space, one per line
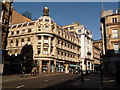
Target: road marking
20 86
46 80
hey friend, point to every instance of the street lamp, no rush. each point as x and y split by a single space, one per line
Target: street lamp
101 68
23 67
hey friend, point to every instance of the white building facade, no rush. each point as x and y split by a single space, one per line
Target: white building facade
85 37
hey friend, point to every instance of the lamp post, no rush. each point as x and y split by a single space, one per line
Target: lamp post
101 69
23 67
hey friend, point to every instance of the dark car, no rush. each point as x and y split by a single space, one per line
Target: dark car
76 71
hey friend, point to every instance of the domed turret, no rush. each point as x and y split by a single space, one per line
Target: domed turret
45 17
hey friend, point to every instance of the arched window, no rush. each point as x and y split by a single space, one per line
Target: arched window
45 45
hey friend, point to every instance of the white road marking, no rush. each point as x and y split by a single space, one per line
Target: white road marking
46 80
20 86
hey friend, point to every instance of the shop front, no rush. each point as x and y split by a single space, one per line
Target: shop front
72 67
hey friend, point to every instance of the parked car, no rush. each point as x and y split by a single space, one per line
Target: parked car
76 71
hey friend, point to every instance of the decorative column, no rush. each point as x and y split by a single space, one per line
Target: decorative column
42 38
54 47
48 65
20 43
35 43
49 45
60 44
40 66
55 66
14 42
8 43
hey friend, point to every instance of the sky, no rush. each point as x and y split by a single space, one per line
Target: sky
65 13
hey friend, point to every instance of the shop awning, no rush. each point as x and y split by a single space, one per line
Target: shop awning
73 65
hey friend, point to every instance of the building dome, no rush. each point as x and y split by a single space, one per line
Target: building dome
45 17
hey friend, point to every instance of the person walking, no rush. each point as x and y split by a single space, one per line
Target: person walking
82 76
34 71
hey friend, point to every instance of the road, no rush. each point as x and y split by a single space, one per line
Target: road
61 81
56 81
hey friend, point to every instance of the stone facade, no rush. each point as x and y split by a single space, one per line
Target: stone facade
54 48
110 29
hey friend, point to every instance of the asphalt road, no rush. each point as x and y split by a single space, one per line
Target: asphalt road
47 81
61 80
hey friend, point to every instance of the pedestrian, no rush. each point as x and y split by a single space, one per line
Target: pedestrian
23 72
117 76
82 76
34 71
86 73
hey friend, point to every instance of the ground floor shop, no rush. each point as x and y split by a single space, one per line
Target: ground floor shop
44 65
48 65
111 64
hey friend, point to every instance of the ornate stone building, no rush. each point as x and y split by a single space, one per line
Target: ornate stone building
85 37
110 29
54 48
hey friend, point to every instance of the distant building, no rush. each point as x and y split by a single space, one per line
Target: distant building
97 48
85 37
27 14
18 18
98 43
44 44
110 29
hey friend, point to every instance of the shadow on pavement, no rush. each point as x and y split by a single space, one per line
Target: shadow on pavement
91 82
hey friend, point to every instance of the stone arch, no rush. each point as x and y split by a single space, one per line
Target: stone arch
27 57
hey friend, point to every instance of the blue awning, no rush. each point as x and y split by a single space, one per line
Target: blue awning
73 65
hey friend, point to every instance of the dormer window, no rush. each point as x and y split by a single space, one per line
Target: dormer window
29 30
114 20
79 31
17 32
40 20
12 32
71 28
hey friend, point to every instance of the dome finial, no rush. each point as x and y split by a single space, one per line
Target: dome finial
45 11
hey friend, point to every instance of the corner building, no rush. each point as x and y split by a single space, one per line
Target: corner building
110 31
54 48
